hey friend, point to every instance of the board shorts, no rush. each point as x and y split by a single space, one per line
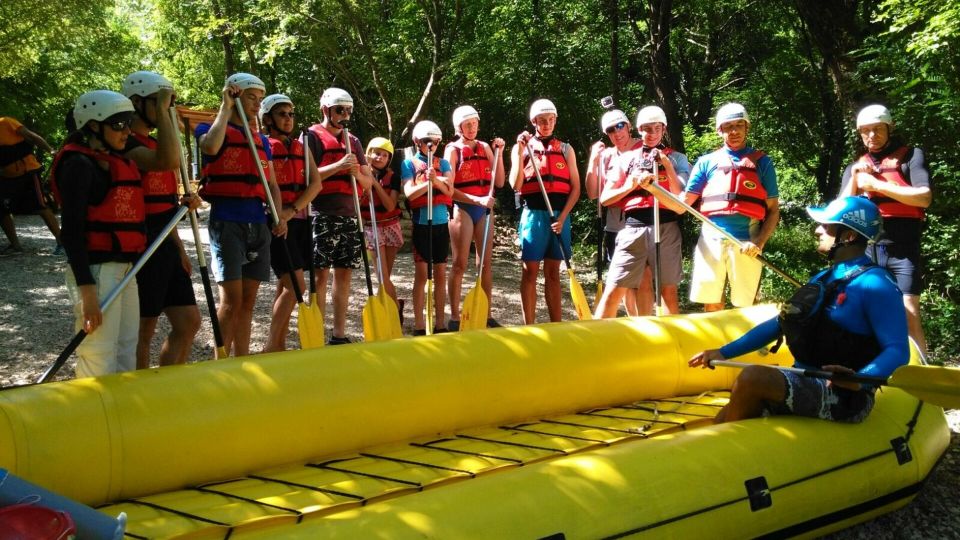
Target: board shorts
422 242
537 239
336 242
299 243
636 250
240 250
716 259
21 195
391 234
163 282
814 398
903 262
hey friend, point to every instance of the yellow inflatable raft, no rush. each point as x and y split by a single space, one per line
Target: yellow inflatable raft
593 429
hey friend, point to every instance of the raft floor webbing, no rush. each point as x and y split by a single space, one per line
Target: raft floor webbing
327 486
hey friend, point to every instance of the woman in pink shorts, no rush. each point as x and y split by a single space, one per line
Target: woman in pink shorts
386 193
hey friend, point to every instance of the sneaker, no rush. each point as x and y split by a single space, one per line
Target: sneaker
492 323
439 330
334 340
419 332
58 250
453 325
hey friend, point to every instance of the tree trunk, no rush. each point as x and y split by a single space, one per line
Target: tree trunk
229 62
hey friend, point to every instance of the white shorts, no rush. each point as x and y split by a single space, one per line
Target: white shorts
714 260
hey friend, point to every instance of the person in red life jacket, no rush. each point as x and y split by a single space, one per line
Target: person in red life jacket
290 163
737 186
336 243
538 230
104 230
20 190
635 252
239 231
895 177
415 172
386 194
474 169
164 282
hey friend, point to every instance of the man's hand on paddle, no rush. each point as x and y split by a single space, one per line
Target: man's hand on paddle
849 385
703 359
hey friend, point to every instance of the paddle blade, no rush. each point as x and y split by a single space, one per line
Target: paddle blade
310 325
473 316
937 385
580 303
380 318
391 315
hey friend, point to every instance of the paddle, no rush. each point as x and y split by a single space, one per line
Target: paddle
310 321
308 339
391 319
374 317
600 254
657 301
113 295
937 385
654 186
576 291
198 245
428 303
476 305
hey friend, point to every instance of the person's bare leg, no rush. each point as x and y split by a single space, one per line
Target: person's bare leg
341 298
528 291
754 386
184 325
148 325
911 303
552 293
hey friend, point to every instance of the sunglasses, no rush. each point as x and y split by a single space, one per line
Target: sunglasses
118 125
340 109
617 127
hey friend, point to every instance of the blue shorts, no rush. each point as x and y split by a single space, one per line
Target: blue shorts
814 398
240 250
537 239
475 212
903 262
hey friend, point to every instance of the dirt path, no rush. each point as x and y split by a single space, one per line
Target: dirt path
36 323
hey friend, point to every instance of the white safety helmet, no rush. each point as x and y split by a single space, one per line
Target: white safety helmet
246 80
542 106
731 112
612 118
874 114
425 129
461 114
651 115
100 105
333 96
272 101
144 83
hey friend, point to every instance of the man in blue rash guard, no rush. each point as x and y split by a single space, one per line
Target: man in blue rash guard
854 332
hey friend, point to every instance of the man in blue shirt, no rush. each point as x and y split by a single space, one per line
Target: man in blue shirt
853 331
738 187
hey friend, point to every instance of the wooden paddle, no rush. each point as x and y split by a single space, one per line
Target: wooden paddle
310 321
374 316
198 245
933 384
310 336
476 305
655 187
391 319
580 303
113 295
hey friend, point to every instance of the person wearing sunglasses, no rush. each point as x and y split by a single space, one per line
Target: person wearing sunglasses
164 282
103 229
473 161
557 163
240 233
336 243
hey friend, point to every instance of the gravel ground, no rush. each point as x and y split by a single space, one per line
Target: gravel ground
36 322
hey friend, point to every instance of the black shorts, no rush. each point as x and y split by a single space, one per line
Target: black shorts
299 241
21 195
421 243
337 241
902 260
163 283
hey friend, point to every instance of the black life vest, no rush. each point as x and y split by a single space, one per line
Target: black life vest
813 338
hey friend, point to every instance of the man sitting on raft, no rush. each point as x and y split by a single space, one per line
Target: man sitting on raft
840 321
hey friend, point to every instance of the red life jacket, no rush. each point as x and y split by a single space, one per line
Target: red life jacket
890 172
159 187
332 151
288 164
553 168
421 177
117 224
736 189
474 172
233 174
383 215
